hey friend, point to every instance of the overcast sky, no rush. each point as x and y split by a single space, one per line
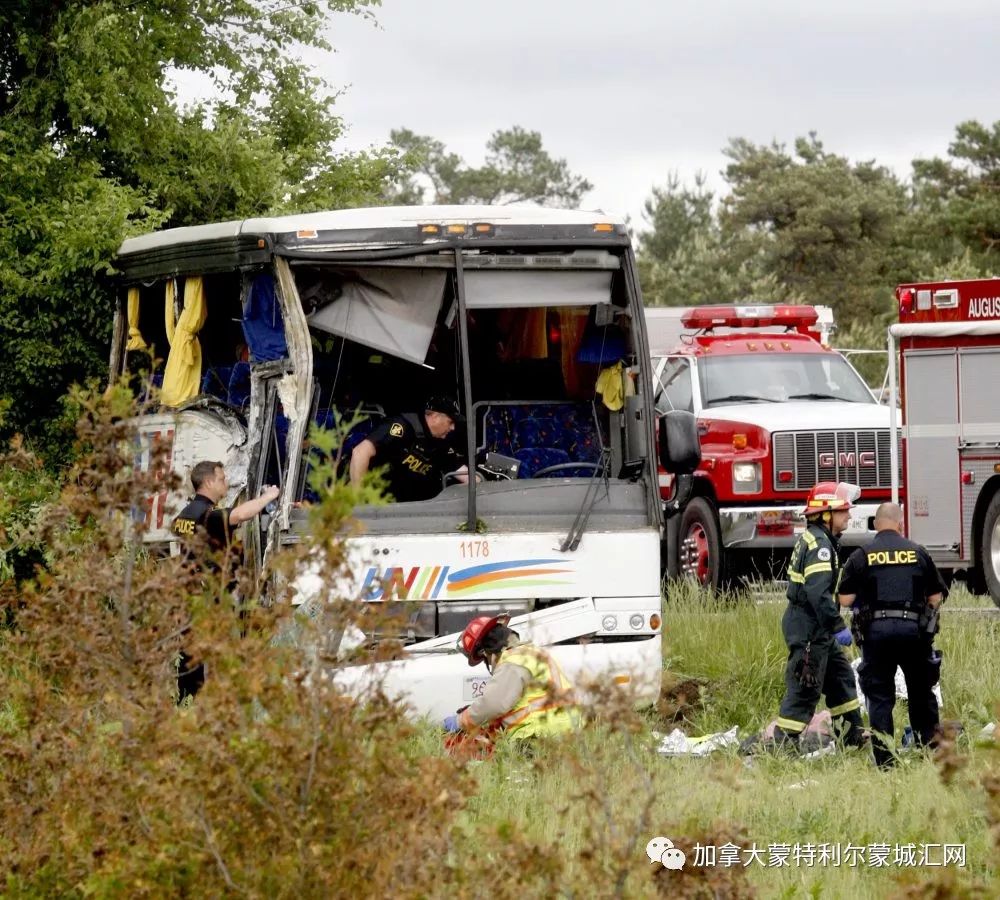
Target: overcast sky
628 91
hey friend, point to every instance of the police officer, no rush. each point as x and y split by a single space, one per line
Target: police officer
202 516
895 590
415 450
206 534
812 625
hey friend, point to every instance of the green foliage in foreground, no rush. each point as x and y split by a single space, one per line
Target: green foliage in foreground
274 784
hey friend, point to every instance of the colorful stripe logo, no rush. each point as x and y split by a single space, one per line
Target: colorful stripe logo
515 573
427 582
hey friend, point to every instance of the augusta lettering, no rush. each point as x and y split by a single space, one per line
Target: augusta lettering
984 308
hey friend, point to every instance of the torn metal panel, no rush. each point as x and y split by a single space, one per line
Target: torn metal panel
295 398
292 397
188 436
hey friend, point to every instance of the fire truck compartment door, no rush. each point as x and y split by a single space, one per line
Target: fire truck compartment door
980 421
931 415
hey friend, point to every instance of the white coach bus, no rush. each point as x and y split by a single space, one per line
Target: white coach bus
530 319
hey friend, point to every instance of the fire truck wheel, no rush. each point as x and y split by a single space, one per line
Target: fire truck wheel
699 552
989 548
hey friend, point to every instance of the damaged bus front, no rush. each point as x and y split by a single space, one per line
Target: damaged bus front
529 320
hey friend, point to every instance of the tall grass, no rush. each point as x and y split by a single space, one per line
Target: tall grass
624 793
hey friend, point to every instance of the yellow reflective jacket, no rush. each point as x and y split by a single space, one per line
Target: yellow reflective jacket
547 705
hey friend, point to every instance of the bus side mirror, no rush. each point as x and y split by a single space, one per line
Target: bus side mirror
679 447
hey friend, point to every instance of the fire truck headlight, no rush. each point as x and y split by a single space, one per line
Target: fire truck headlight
746 478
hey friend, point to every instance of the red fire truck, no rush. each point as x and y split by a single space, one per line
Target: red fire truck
948 337
778 410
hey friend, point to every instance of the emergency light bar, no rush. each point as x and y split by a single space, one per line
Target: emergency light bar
790 316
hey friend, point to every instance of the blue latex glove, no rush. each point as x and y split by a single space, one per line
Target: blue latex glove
451 724
844 637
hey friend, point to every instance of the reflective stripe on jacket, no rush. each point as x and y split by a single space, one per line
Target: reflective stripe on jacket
813 573
547 705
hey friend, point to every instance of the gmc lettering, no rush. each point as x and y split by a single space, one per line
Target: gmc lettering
846 458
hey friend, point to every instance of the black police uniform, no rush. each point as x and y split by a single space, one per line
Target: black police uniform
416 460
816 664
203 518
892 578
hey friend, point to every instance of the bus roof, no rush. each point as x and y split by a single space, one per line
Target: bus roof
307 226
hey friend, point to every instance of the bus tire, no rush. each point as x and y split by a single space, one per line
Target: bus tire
989 548
699 545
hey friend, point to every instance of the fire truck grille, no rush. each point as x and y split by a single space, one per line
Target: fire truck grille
801 458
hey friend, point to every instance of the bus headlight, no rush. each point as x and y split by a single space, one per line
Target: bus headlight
636 621
609 623
746 478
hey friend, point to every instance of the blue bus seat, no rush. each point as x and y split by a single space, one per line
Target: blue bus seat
540 435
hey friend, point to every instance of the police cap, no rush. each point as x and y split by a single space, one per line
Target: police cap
444 405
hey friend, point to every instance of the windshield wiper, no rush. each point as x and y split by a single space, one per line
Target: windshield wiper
815 395
732 398
590 496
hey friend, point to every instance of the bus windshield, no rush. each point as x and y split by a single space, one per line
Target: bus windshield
386 337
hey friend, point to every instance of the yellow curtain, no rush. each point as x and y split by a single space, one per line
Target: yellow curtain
135 341
182 377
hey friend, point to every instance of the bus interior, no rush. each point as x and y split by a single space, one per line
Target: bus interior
551 354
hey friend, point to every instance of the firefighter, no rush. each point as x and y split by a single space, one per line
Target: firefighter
812 626
895 590
528 695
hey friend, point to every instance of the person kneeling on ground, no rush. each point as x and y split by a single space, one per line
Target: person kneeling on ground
528 696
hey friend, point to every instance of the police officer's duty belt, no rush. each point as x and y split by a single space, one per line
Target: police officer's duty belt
894 614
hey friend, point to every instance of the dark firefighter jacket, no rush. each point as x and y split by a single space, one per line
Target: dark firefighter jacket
813 572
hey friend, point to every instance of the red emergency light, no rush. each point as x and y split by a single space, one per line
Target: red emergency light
790 316
906 297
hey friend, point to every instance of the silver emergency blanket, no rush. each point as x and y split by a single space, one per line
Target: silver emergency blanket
677 743
388 309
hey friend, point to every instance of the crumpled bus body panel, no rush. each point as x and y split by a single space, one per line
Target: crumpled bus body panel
187 436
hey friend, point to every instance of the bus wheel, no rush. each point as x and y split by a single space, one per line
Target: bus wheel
989 548
699 553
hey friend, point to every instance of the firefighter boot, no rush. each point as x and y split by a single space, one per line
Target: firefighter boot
850 728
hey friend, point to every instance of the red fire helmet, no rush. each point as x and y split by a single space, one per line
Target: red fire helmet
470 642
829 496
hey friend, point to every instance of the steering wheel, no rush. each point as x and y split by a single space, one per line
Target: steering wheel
562 467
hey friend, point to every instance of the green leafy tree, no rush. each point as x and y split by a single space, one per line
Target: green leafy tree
517 169
95 146
686 259
958 201
830 231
